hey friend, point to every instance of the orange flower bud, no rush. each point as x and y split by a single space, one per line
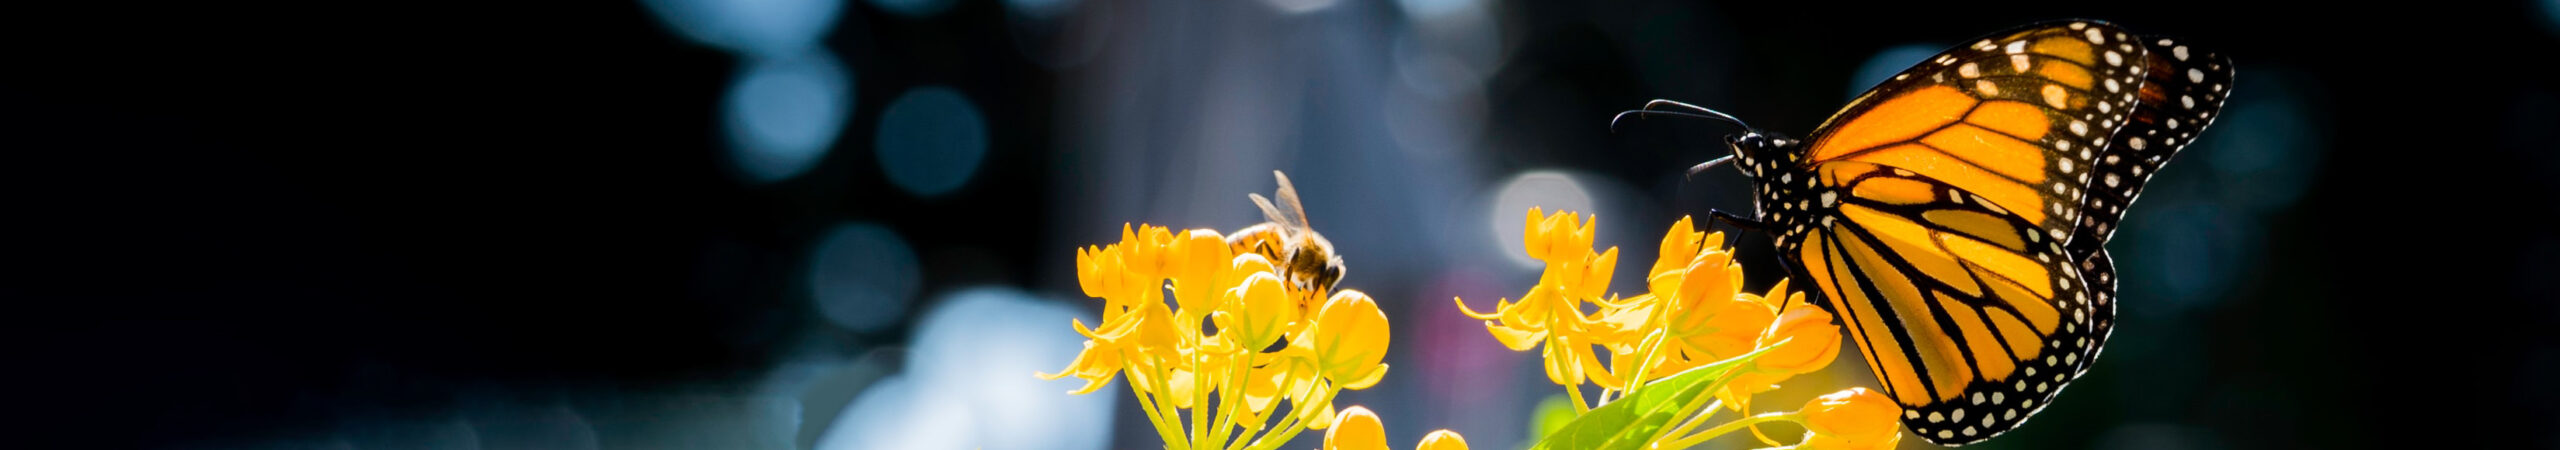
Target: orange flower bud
1349 339
1853 419
1355 429
1811 341
1442 440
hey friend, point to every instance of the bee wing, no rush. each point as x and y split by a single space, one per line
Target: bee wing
1271 213
1288 197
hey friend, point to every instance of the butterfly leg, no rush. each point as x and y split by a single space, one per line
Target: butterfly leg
1738 222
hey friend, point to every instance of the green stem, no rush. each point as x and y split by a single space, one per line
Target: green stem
1283 439
1234 398
1199 403
1690 407
1172 413
1163 430
1652 343
1728 427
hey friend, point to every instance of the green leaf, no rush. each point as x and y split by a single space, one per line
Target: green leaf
1551 414
1628 422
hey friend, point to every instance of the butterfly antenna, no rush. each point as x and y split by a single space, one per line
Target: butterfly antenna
1694 112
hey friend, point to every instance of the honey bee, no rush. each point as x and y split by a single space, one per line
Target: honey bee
1305 260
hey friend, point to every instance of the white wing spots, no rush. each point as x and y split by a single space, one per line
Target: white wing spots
1899 172
2017 46
2079 128
2173 123
1945 434
2060 188
2164 42
2178 51
1985 44
1955 197
2115 59
2065 165
2021 63
2112 159
1987 88
2079 25
2136 143
1971 70
1787 178
1911 414
2195 75
2055 96
2188 100
1936 417
1901 76
2112 181
2066 145
2096 37
1830 198
2105 107
2112 86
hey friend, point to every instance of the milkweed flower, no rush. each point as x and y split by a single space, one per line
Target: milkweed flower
1215 330
1693 312
1852 419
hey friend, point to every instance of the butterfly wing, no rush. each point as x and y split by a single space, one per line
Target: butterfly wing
2182 91
1968 314
1965 177
2016 117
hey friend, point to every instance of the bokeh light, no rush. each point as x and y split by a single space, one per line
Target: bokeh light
894 414
547 427
1891 60
913 9
862 277
969 384
783 114
1301 6
760 27
1549 190
931 140
2268 139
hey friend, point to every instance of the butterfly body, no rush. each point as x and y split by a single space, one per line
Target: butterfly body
1954 218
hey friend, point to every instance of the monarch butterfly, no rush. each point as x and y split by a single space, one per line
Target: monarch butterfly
1955 217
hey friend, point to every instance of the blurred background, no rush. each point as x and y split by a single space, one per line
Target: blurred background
850 223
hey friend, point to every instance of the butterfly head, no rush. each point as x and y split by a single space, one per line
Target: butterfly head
1761 154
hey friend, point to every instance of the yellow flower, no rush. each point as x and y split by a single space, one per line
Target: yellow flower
1705 286
1551 313
1197 261
1349 340
1442 440
1811 341
1256 313
1853 419
1355 429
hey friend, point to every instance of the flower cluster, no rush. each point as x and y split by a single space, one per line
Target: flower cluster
1256 349
1693 313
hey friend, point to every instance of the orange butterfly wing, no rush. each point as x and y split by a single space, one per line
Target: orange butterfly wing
1966 176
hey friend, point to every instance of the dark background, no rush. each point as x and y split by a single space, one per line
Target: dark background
303 225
